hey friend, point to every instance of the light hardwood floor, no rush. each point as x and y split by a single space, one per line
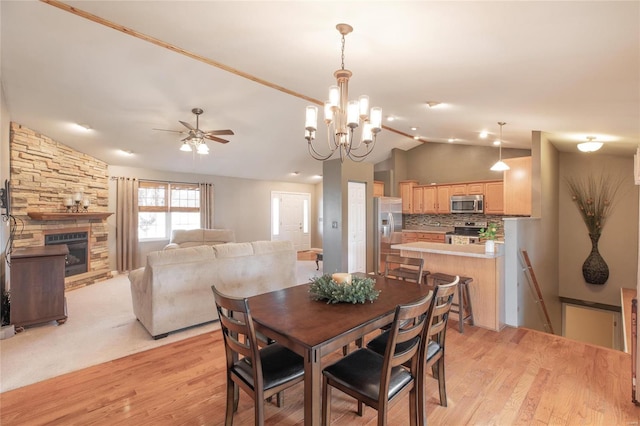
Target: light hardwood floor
516 376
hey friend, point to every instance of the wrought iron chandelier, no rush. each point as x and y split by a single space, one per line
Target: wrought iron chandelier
343 116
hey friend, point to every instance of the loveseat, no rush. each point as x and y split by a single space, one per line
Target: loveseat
183 238
173 290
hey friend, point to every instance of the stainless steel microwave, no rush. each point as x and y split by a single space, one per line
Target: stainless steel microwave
467 204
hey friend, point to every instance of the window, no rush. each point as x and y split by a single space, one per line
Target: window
164 206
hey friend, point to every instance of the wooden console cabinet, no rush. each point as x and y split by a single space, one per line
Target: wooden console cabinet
37 285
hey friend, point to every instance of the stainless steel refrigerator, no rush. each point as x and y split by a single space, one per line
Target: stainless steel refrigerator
387 213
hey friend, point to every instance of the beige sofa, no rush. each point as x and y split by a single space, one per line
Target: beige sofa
173 290
183 238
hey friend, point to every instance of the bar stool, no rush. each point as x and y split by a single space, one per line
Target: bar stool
464 298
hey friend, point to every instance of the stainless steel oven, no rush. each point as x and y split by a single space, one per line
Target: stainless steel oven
467 204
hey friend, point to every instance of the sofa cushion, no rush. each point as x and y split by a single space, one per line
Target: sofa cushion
180 256
182 238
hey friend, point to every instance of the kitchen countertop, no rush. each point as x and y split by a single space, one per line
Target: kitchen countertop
465 250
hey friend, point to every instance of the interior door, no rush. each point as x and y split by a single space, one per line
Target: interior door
290 218
357 227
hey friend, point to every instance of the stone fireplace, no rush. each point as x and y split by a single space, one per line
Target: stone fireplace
45 172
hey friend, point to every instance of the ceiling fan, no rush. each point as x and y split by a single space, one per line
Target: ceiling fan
195 135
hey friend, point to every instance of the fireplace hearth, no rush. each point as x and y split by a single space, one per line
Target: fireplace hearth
76 261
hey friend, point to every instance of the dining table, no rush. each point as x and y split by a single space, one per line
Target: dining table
314 328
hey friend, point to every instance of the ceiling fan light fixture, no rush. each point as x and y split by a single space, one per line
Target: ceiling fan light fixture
500 166
185 147
590 146
202 148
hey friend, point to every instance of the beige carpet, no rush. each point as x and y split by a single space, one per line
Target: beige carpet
101 327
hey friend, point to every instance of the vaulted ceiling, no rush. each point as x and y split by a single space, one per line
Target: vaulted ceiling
125 68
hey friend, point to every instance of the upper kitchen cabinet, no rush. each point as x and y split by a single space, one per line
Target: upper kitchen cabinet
378 188
430 199
418 206
517 186
494 197
476 188
406 193
444 199
459 189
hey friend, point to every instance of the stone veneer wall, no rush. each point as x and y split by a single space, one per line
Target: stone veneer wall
44 172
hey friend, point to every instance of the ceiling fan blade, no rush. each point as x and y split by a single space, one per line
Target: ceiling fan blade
172 131
187 125
220 132
213 138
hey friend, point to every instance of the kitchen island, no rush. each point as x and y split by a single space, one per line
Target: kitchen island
469 260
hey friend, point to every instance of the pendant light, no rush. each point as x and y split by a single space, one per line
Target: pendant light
500 166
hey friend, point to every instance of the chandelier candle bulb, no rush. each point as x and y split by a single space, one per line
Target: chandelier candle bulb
353 109
77 197
367 133
334 96
68 202
376 119
363 101
86 202
311 122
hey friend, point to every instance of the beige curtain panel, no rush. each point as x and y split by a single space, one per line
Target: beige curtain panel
126 224
206 205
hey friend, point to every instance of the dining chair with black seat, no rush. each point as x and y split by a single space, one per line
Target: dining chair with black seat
404 268
261 372
381 381
436 329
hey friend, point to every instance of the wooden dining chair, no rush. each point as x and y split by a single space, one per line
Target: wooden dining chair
404 268
435 332
382 381
260 372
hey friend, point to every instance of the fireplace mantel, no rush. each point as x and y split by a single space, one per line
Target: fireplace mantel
68 216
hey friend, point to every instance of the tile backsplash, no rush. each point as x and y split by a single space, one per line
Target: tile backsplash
417 221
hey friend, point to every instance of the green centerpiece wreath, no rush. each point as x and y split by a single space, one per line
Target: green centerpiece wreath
360 290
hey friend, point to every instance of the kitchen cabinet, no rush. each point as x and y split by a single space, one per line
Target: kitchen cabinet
417 199
430 237
409 237
459 189
517 186
430 199
423 237
406 193
494 197
378 188
444 199
476 188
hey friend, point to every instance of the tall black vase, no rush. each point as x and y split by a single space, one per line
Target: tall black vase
594 268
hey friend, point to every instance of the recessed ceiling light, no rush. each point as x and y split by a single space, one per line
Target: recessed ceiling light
496 142
484 134
390 118
82 127
414 128
125 152
295 173
417 138
451 140
432 104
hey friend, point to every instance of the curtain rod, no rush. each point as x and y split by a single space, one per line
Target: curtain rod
160 181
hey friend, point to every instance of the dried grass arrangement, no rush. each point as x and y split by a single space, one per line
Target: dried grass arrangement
594 197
